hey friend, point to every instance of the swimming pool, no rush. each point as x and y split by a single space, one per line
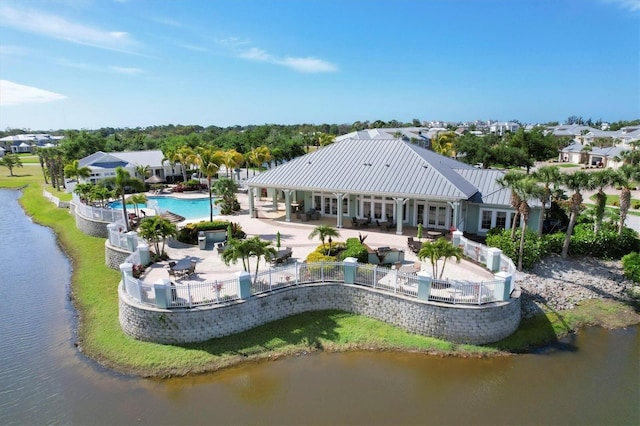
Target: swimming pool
190 208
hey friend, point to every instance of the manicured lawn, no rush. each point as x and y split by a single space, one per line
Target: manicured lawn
29 159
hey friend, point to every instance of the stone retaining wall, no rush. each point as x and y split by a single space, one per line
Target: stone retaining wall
92 227
456 323
114 256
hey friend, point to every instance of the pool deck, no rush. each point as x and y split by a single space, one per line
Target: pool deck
294 234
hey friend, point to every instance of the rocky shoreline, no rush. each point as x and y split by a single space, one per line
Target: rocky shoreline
559 284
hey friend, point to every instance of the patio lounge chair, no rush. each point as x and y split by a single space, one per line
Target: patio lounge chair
191 270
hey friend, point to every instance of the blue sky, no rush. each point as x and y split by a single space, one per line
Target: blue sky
126 63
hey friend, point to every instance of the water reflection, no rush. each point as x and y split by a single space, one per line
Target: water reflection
593 378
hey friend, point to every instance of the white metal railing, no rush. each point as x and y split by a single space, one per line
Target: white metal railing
187 294
118 238
478 252
98 213
55 200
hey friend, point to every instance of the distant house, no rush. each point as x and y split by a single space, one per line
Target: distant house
598 148
501 128
103 165
27 143
394 182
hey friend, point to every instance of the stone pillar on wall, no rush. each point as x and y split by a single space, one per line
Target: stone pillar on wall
162 289
350 265
456 237
132 240
493 259
506 278
145 256
127 270
424 285
244 281
111 230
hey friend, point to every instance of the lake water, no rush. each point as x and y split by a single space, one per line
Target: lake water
591 378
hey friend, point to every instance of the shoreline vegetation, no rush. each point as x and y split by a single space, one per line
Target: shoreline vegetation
94 295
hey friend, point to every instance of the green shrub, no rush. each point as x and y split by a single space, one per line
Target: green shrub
631 266
635 205
189 233
554 242
354 248
607 244
319 256
535 247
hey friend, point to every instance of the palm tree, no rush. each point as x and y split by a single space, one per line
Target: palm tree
262 250
625 178
437 250
143 171
509 181
137 199
244 249
546 175
232 159
322 232
325 139
236 249
156 229
258 156
10 161
122 180
226 190
209 161
576 182
102 193
83 190
526 189
444 143
600 180
73 170
183 156
42 152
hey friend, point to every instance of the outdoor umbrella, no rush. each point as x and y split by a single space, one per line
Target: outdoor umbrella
154 179
172 217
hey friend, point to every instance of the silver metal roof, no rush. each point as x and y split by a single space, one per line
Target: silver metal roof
386 167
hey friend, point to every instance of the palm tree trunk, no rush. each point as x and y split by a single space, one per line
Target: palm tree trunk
521 252
513 226
124 211
625 202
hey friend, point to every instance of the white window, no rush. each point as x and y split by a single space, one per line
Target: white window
495 219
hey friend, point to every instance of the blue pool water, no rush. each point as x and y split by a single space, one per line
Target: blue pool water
191 209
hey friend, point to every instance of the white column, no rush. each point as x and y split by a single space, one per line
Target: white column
339 196
398 214
287 204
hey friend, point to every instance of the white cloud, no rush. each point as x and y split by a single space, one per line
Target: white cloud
6 50
128 71
166 21
256 54
308 64
96 68
57 27
17 94
630 5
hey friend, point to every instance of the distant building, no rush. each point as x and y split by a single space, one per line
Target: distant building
19 144
103 165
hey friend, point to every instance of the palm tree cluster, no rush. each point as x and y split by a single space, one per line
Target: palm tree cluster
525 188
244 250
